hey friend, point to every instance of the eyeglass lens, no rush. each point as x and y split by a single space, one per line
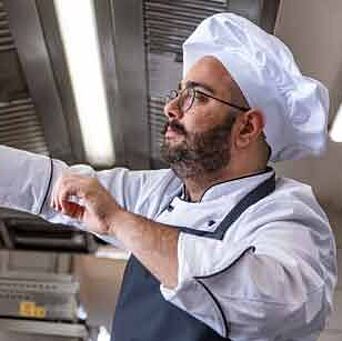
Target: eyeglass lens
185 98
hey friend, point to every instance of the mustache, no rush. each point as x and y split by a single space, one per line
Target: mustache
175 126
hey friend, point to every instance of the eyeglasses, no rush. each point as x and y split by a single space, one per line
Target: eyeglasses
188 96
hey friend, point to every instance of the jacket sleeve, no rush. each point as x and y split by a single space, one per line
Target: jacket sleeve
27 180
24 180
276 281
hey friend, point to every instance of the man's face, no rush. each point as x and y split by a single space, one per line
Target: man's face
198 141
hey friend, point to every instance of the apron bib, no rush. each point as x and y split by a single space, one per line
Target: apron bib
142 313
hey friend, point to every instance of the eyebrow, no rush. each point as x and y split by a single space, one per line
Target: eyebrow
192 84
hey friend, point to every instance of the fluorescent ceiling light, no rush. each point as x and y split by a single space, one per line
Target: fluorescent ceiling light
336 130
78 29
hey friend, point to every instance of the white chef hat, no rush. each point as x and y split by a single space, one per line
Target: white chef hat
295 107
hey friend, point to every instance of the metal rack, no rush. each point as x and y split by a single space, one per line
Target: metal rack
39 297
21 330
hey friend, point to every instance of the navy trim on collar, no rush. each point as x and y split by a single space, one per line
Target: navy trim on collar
258 193
184 197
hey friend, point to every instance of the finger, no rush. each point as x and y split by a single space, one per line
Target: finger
69 187
53 200
56 190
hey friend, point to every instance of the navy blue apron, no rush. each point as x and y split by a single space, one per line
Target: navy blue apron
142 314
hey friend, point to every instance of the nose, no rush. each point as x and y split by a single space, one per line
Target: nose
172 110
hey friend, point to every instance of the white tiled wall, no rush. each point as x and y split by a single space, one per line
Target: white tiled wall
334 328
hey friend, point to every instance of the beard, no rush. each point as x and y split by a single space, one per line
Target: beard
198 153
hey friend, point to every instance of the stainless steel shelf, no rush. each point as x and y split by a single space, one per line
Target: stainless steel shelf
66 330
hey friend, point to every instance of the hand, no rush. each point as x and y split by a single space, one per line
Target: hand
85 199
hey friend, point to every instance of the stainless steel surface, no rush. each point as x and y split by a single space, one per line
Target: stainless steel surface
54 45
250 9
36 265
29 39
5 240
262 12
22 329
36 234
32 265
168 24
269 14
105 26
6 39
129 113
38 285
48 300
20 126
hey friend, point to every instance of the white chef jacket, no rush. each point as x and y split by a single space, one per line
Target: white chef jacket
272 275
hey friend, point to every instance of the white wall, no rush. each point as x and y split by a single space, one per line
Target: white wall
313 31
312 28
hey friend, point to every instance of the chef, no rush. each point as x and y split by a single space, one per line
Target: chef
221 248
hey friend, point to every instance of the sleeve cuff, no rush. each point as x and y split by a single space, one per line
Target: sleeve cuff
201 257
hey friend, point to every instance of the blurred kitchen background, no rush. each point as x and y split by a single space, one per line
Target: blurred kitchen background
83 81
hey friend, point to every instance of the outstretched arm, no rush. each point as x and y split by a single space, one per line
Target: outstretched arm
154 244
27 179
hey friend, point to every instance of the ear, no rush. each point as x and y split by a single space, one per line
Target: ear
248 127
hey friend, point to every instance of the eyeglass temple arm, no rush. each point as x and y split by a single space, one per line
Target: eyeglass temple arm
222 101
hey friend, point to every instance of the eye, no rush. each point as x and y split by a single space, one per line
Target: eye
200 97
